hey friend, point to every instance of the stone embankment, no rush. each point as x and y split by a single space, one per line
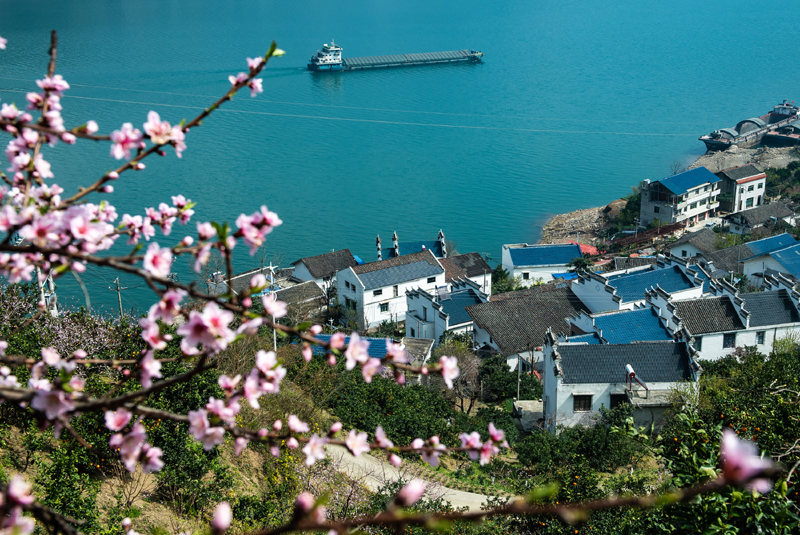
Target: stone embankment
585 225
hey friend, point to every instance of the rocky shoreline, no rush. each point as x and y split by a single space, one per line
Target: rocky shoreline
585 225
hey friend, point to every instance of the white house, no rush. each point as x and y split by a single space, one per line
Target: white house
376 291
777 254
322 268
623 290
514 323
715 326
581 378
538 263
470 266
747 220
431 315
693 244
688 197
741 188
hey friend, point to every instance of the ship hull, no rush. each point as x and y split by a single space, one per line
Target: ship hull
324 68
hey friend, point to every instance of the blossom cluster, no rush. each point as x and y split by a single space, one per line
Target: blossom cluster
132 446
17 496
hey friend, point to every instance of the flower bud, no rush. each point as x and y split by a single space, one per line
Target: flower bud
410 494
304 502
222 518
113 175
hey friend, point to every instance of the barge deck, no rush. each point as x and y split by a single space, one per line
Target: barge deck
330 59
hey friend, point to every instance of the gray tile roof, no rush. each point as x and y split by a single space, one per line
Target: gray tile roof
653 362
762 214
625 262
417 349
708 315
518 322
326 265
770 308
738 173
398 274
302 293
464 266
728 259
703 240
426 256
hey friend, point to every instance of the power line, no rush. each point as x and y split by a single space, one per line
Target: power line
379 121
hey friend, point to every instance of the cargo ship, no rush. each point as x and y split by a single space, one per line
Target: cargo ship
751 131
330 59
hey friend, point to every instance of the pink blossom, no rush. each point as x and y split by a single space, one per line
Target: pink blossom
238 79
17 524
201 430
315 449
307 352
315 329
177 138
222 518
205 231
224 411
296 425
304 502
252 389
35 101
75 384
740 461
487 450
381 439
157 260
256 87
50 356
42 167
258 281
150 368
53 403
228 384
432 458
411 493
4 41
55 85
357 443
151 333
498 435
472 440
396 352
168 307
130 445
272 306
417 443
19 491
240 445
68 138
10 112
370 369
395 460
292 443
151 459
337 340
125 139
253 63
356 351
202 257
116 420
449 369
158 130
91 127
335 428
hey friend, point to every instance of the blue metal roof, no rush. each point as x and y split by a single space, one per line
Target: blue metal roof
683 182
454 307
566 276
632 286
769 245
591 339
358 259
789 258
544 255
376 349
632 325
397 274
409 247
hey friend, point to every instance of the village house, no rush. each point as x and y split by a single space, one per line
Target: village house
538 263
746 221
624 290
580 378
716 325
322 269
470 266
430 315
619 327
741 188
729 260
693 244
376 291
303 300
398 248
687 197
278 278
768 259
514 323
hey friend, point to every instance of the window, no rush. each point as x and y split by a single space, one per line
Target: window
377 292
431 280
749 202
347 284
581 403
760 337
618 399
424 314
693 206
729 341
683 252
698 343
655 209
526 275
760 185
384 307
395 290
413 333
349 303
750 187
705 188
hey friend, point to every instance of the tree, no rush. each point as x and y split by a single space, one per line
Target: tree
502 281
466 388
580 264
499 383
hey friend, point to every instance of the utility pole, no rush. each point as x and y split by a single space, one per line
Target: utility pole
272 289
119 295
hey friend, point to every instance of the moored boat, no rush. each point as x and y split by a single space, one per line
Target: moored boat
751 131
330 59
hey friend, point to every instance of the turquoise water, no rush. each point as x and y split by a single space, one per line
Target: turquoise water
574 103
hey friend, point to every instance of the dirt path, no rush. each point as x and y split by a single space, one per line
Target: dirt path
374 473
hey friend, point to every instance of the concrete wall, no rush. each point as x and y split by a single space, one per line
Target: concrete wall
302 273
685 250
711 347
760 265
669 213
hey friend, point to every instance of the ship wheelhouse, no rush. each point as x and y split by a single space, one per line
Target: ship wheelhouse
329 58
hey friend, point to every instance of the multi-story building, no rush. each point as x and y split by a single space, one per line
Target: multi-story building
741 188
686 197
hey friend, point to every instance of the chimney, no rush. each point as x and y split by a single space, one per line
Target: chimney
395 244
440 237
378 245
